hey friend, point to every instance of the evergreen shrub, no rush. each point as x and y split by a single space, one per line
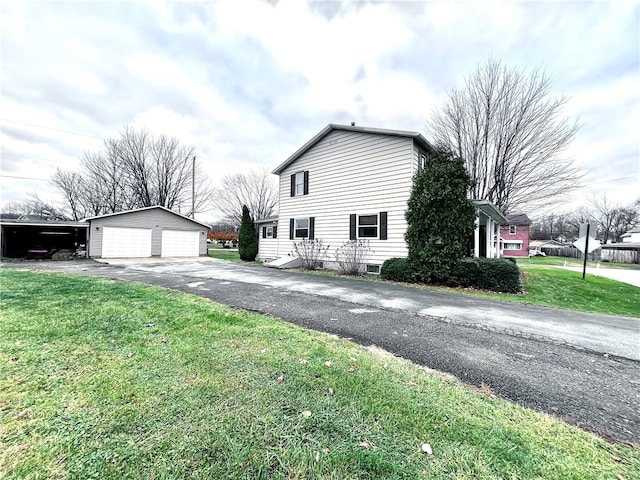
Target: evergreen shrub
247 237
397 270
496 274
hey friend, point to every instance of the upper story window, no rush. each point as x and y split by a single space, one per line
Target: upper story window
300 183
423 161
512 229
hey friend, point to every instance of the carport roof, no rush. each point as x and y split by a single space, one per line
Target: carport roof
144 209
43 223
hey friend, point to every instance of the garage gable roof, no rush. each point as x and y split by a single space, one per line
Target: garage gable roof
147 208
351 128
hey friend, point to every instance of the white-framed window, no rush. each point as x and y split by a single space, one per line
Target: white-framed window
423 161
299 183
512 245
368 226
301 228
270 231
512 229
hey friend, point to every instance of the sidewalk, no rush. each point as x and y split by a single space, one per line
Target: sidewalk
632 277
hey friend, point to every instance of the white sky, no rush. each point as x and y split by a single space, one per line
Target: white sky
248 82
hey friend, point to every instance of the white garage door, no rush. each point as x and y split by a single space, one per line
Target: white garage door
121 242
180 243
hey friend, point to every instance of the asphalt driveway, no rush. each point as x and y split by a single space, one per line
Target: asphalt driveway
581 367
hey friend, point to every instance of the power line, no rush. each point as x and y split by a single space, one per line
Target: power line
50 128
89 136
611 179
25 178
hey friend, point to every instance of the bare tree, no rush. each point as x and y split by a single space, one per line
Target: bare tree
613 218
554 226
510 134
71 184
257 189
35 206
135 170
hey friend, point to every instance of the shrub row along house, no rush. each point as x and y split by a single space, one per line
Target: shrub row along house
353 183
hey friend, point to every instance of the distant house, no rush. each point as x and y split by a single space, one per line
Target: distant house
514 235
352 183
632 236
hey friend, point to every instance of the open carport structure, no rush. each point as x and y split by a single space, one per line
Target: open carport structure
40 238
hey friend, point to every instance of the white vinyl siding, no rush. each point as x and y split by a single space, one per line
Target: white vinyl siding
351 173
180 243
119 242
268 245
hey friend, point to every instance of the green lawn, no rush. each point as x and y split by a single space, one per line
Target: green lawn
554 287
224 254
107 379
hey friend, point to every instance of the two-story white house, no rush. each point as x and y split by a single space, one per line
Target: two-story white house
349 183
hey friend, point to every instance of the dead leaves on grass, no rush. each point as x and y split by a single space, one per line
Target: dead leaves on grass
364 443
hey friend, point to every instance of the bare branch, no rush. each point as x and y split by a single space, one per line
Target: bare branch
511 136
256 189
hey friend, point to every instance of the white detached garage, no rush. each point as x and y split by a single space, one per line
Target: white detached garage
146 232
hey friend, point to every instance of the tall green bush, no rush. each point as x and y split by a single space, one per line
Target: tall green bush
247 237
440 217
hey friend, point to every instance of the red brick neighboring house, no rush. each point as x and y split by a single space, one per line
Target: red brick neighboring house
514 237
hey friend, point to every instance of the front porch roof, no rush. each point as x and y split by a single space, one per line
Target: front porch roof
490 210
266 220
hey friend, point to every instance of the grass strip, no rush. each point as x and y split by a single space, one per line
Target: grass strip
106 379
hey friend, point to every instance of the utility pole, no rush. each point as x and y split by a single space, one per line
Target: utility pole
193 188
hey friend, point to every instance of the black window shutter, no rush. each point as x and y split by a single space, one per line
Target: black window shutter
306 182
383 225
291 227
312 224
293 185
275 232
264 232
352 226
